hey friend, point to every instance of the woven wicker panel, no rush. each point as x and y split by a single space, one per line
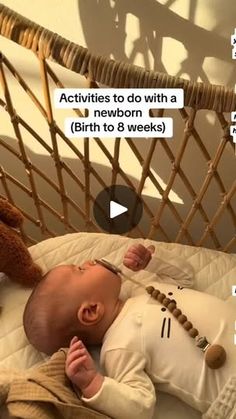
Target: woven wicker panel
193 186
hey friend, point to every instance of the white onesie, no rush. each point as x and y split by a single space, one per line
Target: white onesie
147 346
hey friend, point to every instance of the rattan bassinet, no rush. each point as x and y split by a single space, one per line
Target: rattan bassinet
57 196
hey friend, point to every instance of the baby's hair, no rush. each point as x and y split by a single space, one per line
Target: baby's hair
49 319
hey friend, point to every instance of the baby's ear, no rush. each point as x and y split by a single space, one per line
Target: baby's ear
90 313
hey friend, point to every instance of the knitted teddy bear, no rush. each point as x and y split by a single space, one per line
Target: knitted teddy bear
15 259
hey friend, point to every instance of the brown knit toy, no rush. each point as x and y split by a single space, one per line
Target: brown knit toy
15 259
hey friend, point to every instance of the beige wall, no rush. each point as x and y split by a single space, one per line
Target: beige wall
187 38
147 33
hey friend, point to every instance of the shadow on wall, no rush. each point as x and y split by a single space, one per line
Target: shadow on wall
105 29
12 165
15 167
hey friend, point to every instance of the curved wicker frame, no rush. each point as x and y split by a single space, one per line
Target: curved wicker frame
98 69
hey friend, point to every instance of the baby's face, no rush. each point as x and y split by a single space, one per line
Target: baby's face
89 279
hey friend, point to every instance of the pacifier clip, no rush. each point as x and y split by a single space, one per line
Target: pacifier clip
215 355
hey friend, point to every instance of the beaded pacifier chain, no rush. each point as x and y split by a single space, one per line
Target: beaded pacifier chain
215 355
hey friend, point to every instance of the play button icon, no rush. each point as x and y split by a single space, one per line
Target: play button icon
117 209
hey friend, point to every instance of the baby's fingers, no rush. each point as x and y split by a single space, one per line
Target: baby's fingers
75 339
76 366
132 258
151 248
76 344
72 356
137 249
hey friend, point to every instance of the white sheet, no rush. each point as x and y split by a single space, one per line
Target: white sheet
215 273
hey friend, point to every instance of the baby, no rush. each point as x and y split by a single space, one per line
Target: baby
143 344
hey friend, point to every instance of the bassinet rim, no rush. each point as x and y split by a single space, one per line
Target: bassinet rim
104 70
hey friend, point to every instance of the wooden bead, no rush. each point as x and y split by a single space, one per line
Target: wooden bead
161 297
166 301
187 325
150 289
171 306
193 332
155 294
182 318
215 356
176 312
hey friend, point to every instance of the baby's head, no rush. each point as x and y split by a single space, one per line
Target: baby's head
72 301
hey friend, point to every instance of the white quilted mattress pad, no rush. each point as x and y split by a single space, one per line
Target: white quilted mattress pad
215 273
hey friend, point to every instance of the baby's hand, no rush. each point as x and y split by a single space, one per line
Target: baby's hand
138 256
81 369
